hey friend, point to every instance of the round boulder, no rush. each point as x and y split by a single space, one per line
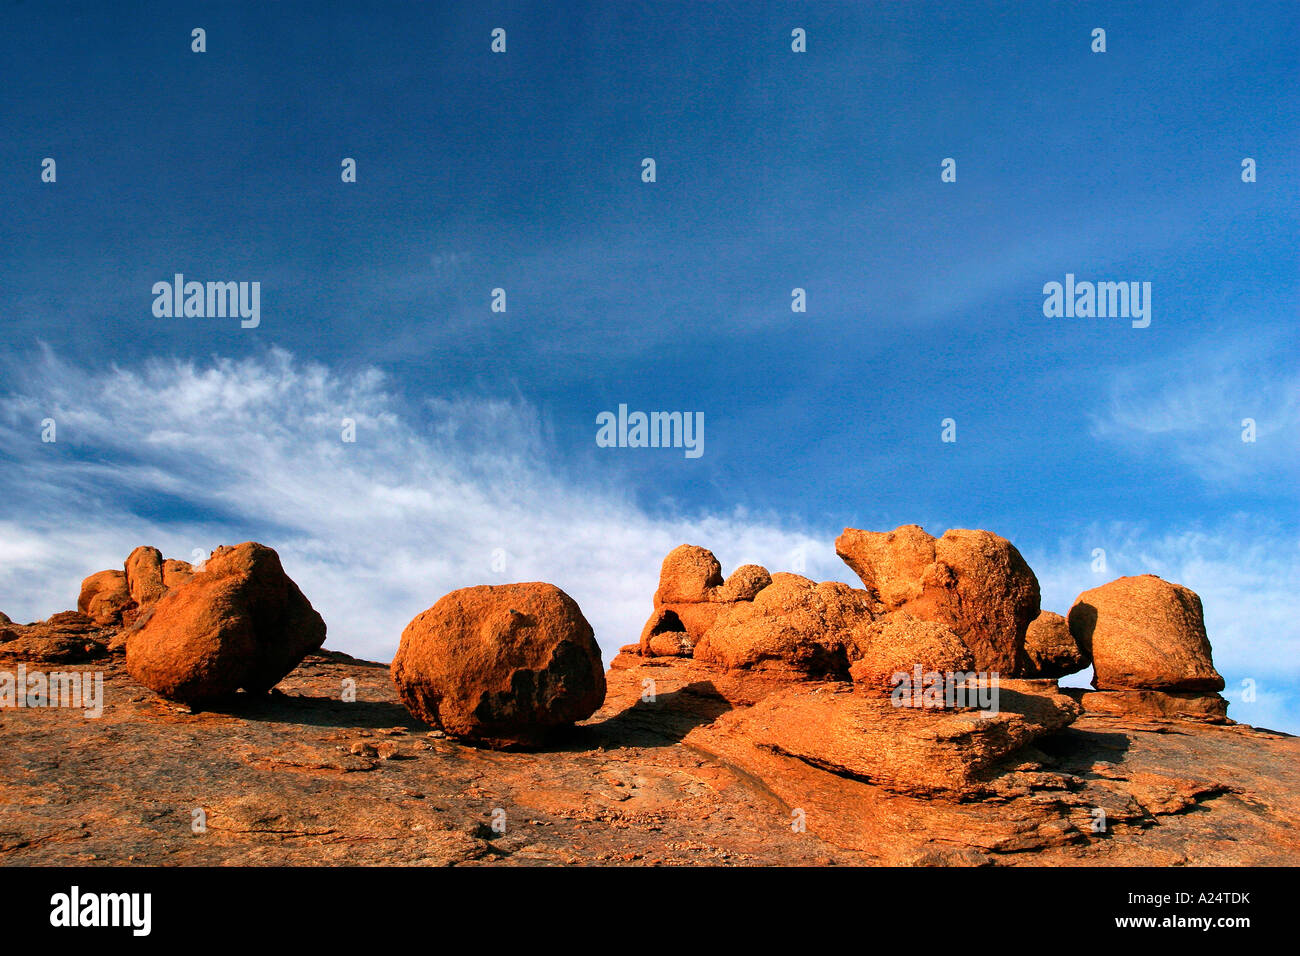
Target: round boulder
743 585
500 664
104 597
687 575
1145 633
1050 649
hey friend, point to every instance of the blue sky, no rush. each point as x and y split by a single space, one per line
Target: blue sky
775 170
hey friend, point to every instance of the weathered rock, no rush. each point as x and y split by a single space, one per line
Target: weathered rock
1050 649
1144 633
695 619
897 644
975 582
176 572
1153 704
687 575
500 664
4 618
641 782
241 623
794 627
66 637
690 597
903 749
115 598
104 597
740 687
890 563
144 575
743 585
665 635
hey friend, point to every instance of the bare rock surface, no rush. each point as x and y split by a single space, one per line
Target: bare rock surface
302 776
66 637
904 749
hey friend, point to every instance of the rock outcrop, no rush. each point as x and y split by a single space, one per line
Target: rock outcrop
690 598
781 743
794 627
66 637
500 664
1050 649
1154 704
973 582
921 752
240 624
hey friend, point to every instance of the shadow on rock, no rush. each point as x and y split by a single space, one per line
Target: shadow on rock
1080 748
660 722
316 711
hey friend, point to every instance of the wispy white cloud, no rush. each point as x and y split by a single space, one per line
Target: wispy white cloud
1191 409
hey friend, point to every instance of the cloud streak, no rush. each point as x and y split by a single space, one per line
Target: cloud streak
1191 408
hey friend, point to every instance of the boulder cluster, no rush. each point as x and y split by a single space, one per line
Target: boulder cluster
499 665
892 682
115 597
941 664
196 635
